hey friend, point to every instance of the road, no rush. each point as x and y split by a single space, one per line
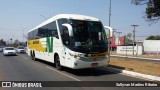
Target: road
22 68
136 58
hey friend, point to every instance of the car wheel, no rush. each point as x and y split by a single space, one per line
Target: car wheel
57 63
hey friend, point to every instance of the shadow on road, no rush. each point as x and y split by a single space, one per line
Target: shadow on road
82 72
89 72
10 55
116 66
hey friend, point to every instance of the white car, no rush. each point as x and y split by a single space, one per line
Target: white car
20 49
9 51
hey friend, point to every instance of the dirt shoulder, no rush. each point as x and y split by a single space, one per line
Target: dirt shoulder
150 68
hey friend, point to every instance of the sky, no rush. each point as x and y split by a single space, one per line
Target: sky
20 16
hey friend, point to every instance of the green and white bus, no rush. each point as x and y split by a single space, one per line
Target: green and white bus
69 40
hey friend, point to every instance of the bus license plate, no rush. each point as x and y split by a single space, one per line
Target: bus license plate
94 64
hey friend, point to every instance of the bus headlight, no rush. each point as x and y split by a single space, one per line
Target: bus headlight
77 57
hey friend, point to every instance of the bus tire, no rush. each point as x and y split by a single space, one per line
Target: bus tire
33 56
57 63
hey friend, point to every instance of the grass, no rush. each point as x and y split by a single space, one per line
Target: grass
151 68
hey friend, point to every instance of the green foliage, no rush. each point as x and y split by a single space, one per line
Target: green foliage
153 37
152 9
15 44
128 38
2 42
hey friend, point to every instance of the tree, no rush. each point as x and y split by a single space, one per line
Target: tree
152 9
2 42
128 38
153 37
129 35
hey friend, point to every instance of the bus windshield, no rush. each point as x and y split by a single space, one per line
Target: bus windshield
89 36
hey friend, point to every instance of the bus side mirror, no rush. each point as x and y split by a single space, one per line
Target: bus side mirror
70 29
110 30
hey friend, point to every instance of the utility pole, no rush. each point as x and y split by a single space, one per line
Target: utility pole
118 36
23 35
110 13
134 30
109 30
113 38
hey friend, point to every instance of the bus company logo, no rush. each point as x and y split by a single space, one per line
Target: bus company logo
6 84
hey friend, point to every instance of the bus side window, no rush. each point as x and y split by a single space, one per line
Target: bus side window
40 33
54 33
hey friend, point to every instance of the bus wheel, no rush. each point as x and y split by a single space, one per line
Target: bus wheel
57 63
33 56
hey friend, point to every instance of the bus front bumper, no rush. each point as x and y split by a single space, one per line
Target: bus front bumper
90 63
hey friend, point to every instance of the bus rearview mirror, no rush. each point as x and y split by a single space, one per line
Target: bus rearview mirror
110 30
70 29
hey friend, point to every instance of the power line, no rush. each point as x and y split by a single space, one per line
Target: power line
45 18
109 30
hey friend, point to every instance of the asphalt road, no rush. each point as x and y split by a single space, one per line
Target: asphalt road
22 68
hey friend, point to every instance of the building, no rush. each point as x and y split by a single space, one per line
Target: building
117 42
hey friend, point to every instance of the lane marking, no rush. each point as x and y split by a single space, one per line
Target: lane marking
63 73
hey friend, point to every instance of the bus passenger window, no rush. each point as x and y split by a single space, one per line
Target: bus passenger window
54 33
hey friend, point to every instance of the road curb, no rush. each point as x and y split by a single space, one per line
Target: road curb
145 76
137 57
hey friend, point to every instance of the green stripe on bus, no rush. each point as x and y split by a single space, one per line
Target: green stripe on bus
49 44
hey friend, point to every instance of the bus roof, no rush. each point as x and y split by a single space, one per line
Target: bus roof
67 16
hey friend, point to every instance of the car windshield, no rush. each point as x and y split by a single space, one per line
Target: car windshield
20 47
89 36
9 48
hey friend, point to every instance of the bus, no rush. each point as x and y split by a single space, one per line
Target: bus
69 40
